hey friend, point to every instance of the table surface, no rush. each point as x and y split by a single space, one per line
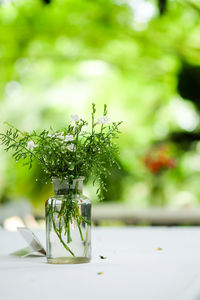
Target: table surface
134 267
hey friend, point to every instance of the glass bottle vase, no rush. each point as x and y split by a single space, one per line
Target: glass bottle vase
68 223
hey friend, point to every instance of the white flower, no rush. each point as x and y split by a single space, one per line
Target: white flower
68 138
75 118
31 145
71 147
60 135
103 120
75 125
53 135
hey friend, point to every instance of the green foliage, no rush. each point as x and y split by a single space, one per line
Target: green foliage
72 153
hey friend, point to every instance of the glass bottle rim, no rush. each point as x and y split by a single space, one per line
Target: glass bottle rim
80 178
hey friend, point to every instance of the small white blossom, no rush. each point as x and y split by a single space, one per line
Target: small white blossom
103 120
68 138
71 147
75 125
75 118
60 136
31 145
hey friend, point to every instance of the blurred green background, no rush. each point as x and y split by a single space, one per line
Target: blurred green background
141 58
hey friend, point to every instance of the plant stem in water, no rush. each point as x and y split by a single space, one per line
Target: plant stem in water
60 235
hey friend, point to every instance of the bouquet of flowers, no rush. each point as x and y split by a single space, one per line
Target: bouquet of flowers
75 151
72 152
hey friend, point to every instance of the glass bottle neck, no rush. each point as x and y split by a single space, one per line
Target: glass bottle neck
62 187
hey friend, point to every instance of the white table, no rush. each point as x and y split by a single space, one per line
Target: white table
134 268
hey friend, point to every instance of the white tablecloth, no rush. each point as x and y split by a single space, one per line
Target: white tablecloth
134 268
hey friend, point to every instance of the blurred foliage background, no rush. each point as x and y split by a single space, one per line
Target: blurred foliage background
140 57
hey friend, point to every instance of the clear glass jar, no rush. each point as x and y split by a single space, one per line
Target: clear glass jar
68 223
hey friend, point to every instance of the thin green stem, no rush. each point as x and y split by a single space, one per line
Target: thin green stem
59 234
85 220
69 239
79 228
77 135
